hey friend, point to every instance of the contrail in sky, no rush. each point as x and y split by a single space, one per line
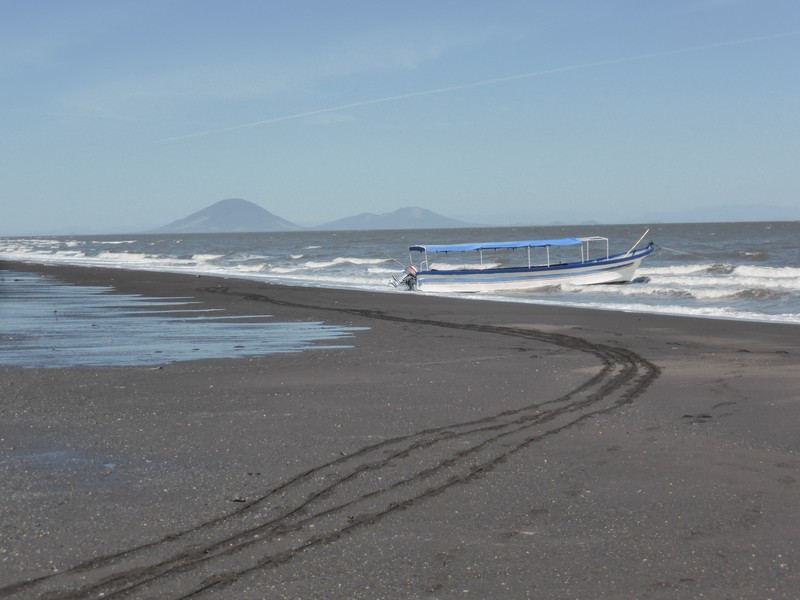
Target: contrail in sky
475 84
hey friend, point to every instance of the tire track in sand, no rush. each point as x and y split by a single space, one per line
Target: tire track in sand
320 505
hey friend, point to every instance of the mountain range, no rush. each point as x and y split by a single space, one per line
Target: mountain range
236 215
402 218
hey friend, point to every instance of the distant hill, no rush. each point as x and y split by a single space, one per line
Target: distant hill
229 216
402 218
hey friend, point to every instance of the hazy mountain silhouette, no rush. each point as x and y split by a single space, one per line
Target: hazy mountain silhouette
236 215
229 216
402 218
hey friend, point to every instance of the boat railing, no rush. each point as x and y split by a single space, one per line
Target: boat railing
585 255
587 244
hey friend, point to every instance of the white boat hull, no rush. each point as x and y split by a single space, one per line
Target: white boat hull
614 270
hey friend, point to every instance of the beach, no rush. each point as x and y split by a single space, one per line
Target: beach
459 448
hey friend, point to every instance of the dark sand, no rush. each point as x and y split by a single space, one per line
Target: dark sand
461 449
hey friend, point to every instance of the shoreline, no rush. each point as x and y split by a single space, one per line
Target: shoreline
725 311
507 449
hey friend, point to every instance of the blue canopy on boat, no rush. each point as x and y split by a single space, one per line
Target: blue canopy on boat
495 245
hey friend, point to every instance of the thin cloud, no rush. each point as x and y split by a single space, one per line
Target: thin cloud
136 99
716 4
34 39
477 84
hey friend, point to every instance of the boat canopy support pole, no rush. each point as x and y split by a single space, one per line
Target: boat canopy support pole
424 266
588 255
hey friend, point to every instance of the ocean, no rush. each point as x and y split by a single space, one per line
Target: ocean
741 271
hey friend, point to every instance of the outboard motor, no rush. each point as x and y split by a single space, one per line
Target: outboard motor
409 279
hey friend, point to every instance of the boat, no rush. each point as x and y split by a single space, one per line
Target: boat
540 265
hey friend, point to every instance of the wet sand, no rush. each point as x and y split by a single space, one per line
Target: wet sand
460 449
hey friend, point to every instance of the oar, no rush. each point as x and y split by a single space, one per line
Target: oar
392 258
638 241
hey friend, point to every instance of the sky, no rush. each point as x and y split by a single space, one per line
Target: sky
121 116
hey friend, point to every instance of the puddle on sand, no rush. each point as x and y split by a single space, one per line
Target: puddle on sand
60 468
47 323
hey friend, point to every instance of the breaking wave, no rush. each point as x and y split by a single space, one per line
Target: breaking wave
750 282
